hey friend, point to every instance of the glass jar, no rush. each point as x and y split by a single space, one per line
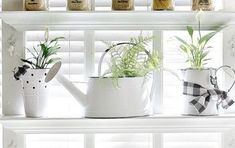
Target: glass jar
123 4
78 5
163 4
36 5
205 5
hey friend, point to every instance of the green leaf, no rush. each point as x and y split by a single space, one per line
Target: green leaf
56 39
190 31
182 41
30 63
207 37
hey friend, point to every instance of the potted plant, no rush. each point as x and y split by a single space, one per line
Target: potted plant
33 76
196 52
123 90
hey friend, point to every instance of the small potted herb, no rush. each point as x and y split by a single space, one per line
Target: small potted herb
131 59
33 74
196 52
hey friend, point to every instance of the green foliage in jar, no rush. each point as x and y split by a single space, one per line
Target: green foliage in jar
196 50
46 54
131 59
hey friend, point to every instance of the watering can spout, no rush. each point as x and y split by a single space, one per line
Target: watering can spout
76 93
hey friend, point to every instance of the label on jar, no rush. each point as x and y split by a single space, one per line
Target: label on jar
123 4
35 4
204 2
78 4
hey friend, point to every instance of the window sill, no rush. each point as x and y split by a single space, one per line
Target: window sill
154 124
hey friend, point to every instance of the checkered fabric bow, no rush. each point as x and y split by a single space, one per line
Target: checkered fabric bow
203 96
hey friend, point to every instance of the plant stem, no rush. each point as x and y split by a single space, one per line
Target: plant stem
199 29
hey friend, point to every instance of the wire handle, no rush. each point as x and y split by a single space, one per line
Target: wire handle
115 45
214 80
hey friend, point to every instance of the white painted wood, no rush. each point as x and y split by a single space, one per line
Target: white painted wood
158 124
12 90
89 141
89 50
228 139
158 141
229 55
1 135
12 139
157 96
114 20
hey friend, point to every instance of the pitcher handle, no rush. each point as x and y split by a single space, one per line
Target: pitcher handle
214 81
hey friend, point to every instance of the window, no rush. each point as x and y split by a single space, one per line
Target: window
169 140
76 51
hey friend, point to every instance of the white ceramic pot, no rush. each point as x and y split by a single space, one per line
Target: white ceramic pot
35 92
201 77
104 100
130 99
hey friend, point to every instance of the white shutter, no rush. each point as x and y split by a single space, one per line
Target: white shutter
55 141
192 140
0 66
123 140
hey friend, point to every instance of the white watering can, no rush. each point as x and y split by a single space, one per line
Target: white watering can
207 78
104 100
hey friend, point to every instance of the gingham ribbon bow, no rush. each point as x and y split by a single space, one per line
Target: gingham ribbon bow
203 96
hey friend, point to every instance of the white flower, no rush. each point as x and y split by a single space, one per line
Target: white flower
46 35
199 15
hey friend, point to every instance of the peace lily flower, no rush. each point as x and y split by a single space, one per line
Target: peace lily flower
199 15
46 35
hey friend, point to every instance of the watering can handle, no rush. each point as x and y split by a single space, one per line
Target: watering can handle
107 50
214 79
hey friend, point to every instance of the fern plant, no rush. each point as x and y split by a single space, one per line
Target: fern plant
131 59
196 50
46 55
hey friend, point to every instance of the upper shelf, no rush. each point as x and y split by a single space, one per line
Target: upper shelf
22 20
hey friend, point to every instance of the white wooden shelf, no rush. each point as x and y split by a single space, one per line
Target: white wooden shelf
23 20
156 124
15 128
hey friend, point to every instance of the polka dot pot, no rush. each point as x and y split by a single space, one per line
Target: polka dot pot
35 92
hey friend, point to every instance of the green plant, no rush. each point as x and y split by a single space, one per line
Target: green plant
197 50
46 55
131 59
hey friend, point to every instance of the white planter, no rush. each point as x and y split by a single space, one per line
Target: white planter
131 99
202 78
35 92
104 100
